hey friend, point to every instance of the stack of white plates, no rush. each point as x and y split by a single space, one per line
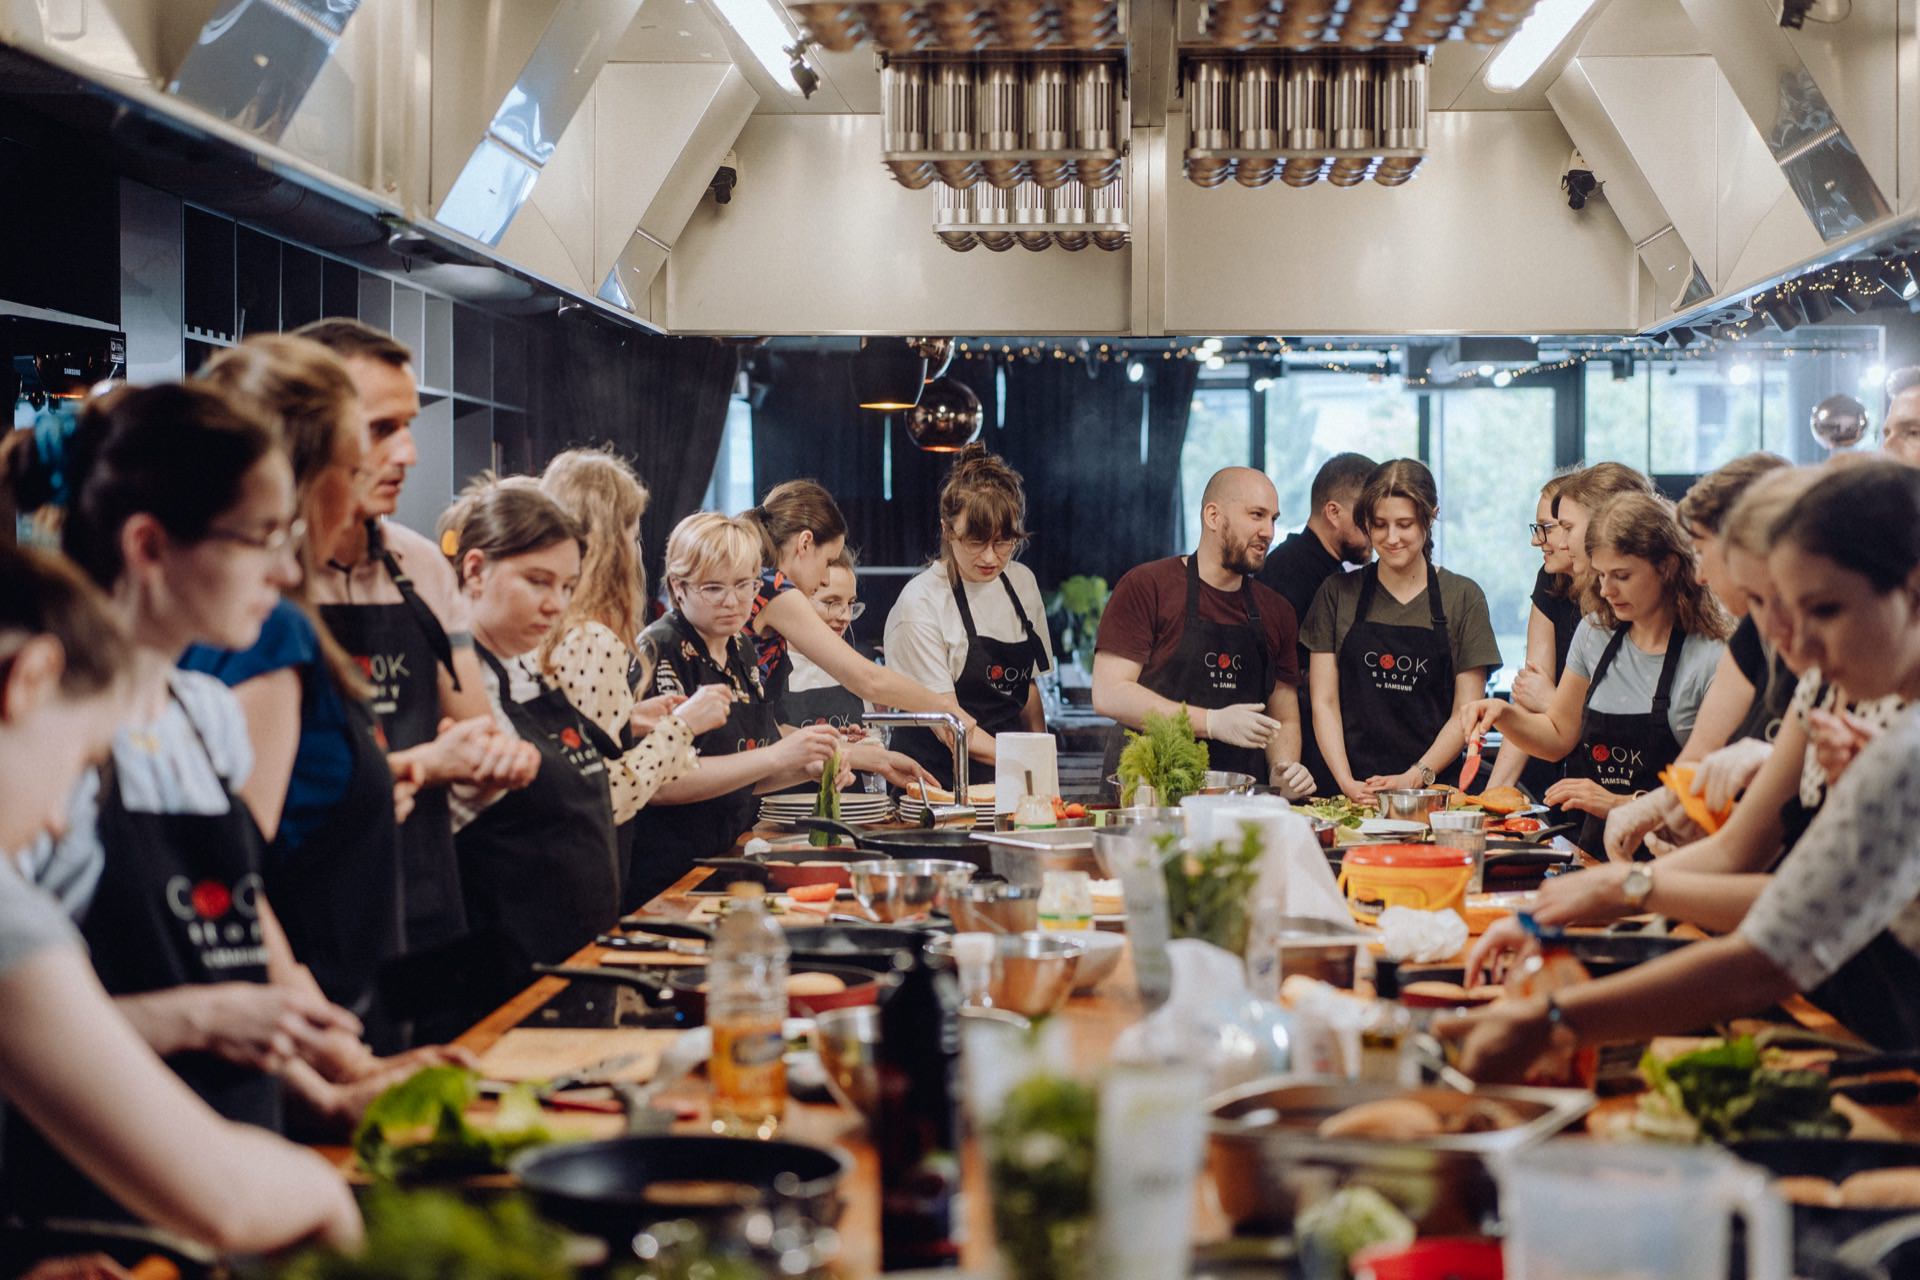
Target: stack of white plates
911 808
855 807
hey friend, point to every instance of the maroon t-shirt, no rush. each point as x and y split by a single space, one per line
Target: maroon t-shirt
1148 608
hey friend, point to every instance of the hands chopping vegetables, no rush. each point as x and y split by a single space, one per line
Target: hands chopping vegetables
1243 725
1583 794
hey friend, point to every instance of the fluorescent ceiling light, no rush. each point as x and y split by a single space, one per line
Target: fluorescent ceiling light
1528 49
762 25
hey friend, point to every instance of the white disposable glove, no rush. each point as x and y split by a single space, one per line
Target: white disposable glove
1294 780
1725 773
1630 824
1244 725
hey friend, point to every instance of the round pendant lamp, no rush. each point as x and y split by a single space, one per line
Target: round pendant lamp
939 354
1839 422
888 374
947 419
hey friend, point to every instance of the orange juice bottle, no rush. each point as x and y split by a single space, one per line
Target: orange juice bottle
746 1009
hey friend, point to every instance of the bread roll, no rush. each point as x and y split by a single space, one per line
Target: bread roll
815 984
1882 1189
1394 1119
1451 991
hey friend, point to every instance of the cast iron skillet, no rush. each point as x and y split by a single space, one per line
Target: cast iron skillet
779 869
613 1189
680 986
948 843
1826 1230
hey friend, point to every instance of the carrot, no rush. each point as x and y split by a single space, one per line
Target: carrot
825 891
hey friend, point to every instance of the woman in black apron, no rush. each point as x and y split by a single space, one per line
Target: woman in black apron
983 509
1384 695
1553 614
1643 583
538 865
813 697
712 574
179 502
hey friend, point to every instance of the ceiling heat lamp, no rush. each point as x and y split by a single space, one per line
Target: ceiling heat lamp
1344 116
888 374
1003 120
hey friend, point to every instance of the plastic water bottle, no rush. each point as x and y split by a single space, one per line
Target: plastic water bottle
746 1010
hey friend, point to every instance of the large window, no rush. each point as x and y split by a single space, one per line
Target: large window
1311 418
1491 450
731 487
1219 426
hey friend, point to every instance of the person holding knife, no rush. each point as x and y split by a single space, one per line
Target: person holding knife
1198 631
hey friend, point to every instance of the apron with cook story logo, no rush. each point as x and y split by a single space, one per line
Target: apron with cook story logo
400 648
538 866
992 687
1216 664
178 905
1625 751
1396 685
668 838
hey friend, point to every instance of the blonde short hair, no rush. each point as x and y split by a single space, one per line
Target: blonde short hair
713 547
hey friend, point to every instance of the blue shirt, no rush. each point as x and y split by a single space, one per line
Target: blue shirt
323 761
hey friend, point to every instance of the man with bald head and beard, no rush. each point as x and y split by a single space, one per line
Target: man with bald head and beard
1199 630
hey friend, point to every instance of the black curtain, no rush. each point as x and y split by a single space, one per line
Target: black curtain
1094 506
662 402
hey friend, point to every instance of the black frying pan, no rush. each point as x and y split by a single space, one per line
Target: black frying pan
868 946
781 869
617 1188
680 986
1834 1159
959 845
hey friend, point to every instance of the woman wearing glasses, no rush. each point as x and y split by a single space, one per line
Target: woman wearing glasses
813 696
1551 620
966 624
713 576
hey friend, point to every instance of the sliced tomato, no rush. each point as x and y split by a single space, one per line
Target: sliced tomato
1076 811
822 892
1521 826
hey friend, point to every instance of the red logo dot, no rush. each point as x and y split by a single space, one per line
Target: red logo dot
366 666
1386 662
1224 661
211 899
570 738
994 673
1600 754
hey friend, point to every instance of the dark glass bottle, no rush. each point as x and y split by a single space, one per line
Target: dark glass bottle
916 1125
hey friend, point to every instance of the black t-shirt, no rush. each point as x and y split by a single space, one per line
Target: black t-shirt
1562 612
1748 653
1296 568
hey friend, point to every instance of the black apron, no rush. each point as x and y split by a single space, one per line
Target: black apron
1396 685
992 688
1625 751
338 894
1769 705
399 647
832 705
668 838
1216 664
537 866
178 904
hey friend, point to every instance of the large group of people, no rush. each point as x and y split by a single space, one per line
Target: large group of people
283 777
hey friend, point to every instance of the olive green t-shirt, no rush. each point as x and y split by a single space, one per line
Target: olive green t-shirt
1469 629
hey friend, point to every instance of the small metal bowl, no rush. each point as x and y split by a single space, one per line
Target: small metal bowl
1216 782
1033 973
1323 828
907 888
847 1041
994 906
1411 804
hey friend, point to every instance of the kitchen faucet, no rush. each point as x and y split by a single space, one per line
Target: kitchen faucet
928 719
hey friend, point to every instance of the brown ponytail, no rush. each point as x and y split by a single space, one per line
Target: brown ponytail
503 518
790 509
986 496
42 594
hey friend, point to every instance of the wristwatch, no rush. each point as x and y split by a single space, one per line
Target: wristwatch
1637 884
1426 776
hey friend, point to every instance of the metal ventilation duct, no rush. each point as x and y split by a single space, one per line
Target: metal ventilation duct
254 60
535 61
1068 216
963 26
1003 121
1301 117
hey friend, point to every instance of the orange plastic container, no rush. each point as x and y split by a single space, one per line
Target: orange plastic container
1422 876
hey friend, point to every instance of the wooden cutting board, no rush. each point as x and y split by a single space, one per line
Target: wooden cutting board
540 1053
647 959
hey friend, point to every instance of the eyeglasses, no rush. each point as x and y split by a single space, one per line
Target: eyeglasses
282 541
718 593
1537 530
1002 547
852 608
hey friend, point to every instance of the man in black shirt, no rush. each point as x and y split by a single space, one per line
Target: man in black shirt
1304 560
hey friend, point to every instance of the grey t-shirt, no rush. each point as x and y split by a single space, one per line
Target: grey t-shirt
1631 680
30 921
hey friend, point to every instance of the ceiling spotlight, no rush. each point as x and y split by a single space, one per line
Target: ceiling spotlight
1216 362
1262 383
1740 374
888 374
1680 337
805 78
1503 378
1137 371
1896 274
1485 371
1212 346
